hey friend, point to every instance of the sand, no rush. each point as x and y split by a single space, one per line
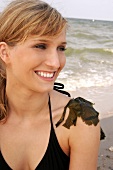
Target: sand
105 159
103 99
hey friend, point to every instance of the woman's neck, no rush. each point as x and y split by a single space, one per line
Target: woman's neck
27 104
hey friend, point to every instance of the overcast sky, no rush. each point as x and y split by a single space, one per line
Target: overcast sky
87 9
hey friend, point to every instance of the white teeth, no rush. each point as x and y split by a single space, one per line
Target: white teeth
48 75
42 74
45 75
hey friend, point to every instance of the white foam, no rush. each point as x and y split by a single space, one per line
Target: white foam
89 80
108 50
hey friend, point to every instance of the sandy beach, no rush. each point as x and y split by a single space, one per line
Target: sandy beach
103 99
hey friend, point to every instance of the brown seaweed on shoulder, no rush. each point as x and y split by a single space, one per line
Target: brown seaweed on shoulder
80 107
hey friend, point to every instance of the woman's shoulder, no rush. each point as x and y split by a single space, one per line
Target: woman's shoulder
76 112
77 107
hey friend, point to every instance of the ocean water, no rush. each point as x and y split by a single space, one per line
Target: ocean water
89 54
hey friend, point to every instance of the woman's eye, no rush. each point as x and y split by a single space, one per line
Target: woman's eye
61 48
41 46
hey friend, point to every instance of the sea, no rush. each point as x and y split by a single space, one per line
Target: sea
89 54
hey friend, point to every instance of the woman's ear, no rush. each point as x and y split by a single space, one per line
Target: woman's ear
4 52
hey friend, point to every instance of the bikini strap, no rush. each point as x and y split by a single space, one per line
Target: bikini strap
58 87
50 112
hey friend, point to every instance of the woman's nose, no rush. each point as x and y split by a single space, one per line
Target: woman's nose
53 59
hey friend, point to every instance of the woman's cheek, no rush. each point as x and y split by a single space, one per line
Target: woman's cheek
63 61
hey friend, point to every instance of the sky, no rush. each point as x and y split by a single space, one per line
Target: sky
84 9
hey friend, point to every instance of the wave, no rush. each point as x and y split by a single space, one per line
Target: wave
72 85
94 80
104 51
88 36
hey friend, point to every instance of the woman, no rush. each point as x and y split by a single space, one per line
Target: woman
33 135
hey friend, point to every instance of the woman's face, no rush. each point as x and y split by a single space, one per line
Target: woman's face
35 64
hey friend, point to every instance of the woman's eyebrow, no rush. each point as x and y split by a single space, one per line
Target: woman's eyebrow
64 43
48 41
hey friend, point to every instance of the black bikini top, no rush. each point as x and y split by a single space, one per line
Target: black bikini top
54 157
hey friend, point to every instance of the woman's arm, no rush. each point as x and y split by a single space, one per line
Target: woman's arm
84 143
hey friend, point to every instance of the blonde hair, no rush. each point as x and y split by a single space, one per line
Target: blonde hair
19 20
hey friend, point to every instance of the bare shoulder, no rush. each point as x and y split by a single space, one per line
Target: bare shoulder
84 134
84 144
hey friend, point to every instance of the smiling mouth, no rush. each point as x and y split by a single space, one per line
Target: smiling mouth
45 74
